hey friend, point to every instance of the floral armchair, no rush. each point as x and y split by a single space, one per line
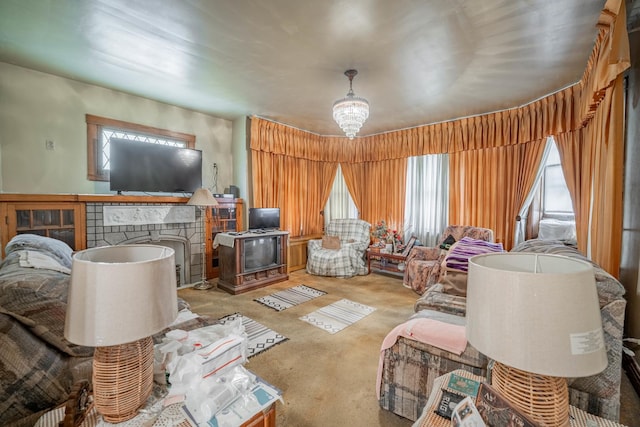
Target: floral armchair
347 259
422 268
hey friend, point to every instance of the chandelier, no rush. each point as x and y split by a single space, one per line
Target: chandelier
351 111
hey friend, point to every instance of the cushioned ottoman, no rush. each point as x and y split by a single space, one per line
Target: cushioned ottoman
409 368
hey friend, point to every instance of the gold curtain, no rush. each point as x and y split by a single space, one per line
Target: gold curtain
591 104
488 187
576 160
298 186
378 190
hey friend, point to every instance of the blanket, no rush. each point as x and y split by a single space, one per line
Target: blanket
465 248
439 334
33 259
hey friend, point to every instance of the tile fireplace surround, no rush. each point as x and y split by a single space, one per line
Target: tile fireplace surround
175 226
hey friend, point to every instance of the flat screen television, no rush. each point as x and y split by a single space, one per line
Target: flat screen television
146 167
261 253
264 218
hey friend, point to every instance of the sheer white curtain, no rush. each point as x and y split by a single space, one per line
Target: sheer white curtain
340 204
521 223
427 199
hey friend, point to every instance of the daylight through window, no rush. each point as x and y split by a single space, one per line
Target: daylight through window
100 130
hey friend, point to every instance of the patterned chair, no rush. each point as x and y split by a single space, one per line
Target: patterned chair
348 260
423 263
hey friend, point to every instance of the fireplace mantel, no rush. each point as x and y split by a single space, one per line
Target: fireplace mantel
78 216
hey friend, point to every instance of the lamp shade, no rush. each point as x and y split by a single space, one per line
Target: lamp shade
202 197
119 294
535 312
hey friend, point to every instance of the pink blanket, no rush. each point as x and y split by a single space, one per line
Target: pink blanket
446 336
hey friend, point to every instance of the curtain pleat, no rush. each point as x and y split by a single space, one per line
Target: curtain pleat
606 228
585 118
378 190
576 162
488 187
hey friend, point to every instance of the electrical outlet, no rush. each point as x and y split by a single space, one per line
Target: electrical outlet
49 145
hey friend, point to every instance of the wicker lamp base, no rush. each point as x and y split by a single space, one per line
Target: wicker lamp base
543 398
122 379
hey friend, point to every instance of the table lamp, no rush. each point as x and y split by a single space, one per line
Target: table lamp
538 317
118 297
202 198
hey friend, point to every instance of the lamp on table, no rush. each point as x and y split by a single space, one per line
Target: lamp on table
202 198
538 317
119 296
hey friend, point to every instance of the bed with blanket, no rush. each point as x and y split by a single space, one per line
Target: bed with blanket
38 366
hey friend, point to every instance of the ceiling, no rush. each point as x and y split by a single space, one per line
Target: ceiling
419 61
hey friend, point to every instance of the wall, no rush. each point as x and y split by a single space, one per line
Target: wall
36 107
241 152
631 224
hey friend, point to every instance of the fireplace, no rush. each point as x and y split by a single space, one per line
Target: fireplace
174 226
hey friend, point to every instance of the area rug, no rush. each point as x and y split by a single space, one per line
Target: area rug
337 316
288 298
259 337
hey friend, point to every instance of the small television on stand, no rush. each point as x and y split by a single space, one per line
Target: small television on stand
264 219
254 261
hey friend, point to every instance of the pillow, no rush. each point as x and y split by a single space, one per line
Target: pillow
446 244
330 242
54 248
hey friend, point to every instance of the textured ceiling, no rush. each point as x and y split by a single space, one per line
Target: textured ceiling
419 61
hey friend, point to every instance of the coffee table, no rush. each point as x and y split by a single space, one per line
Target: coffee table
385 262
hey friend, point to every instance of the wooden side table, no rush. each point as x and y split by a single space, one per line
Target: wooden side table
577 417
382 261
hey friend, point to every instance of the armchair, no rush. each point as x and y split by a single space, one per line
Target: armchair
345 261
423 263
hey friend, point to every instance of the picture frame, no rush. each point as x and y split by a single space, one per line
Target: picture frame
409 246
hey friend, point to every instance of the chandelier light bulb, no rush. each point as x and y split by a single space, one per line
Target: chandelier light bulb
351 111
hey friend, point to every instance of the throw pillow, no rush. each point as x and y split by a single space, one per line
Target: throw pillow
446 244
330 242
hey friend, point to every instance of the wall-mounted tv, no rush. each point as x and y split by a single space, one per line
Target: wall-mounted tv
146 167
264 218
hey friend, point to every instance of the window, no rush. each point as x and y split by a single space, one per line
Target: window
556 200
427 199
340 203
100 130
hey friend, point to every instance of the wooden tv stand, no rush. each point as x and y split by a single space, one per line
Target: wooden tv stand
239 255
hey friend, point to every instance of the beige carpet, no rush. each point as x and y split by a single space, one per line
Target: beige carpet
329 380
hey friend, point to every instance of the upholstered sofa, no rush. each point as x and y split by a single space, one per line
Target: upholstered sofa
345 257
38 366
598 394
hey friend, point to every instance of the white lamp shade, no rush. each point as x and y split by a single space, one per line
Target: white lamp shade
119 294
202 197
535 312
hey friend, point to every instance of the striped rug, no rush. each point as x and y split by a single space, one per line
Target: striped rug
260 338
287 298
337 316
